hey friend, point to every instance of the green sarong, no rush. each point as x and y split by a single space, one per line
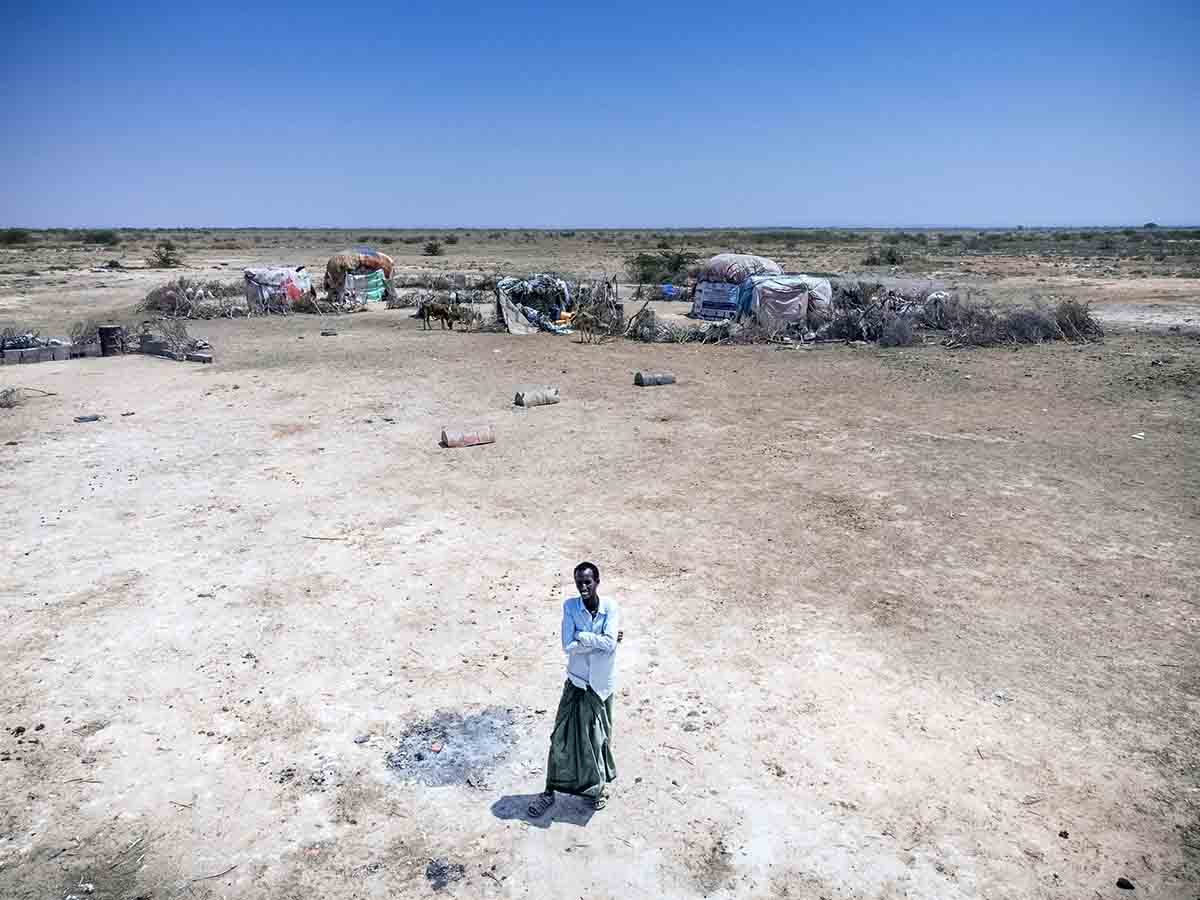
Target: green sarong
581 760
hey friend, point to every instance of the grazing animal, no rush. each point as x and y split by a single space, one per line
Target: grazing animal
587 324
447 314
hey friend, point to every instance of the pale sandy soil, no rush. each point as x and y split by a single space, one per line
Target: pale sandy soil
894 619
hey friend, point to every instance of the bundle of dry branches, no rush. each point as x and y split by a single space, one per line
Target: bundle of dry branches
597 315
185 298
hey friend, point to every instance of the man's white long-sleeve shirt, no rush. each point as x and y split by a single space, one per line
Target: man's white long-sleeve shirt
591 645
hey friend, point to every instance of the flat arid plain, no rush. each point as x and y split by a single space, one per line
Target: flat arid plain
910 622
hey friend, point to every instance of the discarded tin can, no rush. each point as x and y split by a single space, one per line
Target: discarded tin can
468 437
648 379
538 397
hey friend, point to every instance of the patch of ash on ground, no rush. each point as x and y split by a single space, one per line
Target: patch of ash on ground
450 748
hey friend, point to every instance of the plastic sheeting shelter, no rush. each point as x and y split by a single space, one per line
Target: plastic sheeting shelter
717 294
734 268
776 301
542 295
715 300
276 288
359 261
370 286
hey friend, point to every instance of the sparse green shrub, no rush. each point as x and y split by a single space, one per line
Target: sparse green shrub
165 256
451 239
12 236
661 266
872 258
107 237
433 248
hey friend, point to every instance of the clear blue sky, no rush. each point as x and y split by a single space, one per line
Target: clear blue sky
620 114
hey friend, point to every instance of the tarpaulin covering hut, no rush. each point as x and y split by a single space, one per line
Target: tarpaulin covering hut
276 288
717 291
776 301
359 274
527 305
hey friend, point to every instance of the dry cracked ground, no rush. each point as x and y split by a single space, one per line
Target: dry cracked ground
899 623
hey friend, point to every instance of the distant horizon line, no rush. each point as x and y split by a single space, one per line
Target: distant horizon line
552 228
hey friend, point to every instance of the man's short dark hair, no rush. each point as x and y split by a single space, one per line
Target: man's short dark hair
588 565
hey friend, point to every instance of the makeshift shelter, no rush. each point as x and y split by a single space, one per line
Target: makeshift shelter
717 291
273 289
776 301
358 275
527 305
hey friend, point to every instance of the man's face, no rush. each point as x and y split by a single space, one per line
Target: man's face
586 582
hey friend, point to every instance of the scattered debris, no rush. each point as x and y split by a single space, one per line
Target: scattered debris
1140 436
169 338
1064 834
441 872
88 418
329 333
539 397
449 747
10 397
468 437
362 739
648 379
218 875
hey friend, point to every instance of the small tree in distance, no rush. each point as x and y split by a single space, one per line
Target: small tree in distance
165 256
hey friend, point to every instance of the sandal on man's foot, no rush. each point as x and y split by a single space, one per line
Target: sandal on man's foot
543 802
600 802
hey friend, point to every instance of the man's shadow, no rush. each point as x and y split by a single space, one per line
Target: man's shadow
567 809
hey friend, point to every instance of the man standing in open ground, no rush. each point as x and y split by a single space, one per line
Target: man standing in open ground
581 760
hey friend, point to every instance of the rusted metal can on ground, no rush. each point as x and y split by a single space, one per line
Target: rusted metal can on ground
468 437
649 379
111 340
537 397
